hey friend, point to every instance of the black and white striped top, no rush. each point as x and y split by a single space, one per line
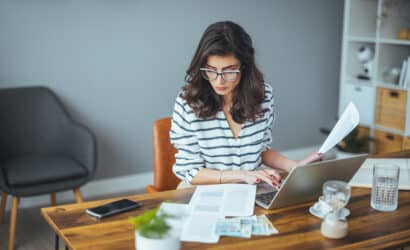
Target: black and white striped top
210 143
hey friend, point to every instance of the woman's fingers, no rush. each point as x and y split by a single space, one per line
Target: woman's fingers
321 156
312 158
273 173
262 177
318 157
267 178
251 178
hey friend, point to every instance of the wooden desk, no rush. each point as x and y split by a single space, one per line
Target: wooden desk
298 229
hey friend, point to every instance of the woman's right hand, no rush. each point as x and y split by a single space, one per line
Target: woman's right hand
270 176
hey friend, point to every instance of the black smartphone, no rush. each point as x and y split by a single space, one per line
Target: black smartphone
113 208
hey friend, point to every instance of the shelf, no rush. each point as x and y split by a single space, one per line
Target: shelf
394 15
362 39
375 24
362 17
395 41
359 82
389 130
391 56
390 86
353 65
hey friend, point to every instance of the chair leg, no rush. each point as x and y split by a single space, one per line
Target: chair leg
13 219
3 204
53 199
78 196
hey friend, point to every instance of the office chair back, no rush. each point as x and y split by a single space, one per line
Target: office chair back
31 121
164 157
37 132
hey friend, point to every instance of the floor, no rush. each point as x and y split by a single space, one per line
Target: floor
27 238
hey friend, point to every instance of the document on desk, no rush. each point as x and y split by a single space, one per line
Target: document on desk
364 176
177 216
211 203
347 122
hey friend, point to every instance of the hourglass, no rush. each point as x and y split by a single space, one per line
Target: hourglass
336 194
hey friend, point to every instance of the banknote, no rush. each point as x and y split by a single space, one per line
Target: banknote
228 227
260 227
245 227
234 227
268 223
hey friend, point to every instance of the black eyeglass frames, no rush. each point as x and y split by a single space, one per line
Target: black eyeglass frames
227 75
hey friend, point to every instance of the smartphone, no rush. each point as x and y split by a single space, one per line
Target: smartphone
112 208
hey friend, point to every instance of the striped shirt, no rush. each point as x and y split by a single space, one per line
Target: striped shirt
210 143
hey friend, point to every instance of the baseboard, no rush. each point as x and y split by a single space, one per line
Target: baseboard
133 184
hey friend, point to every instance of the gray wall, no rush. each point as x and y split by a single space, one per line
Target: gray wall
118 64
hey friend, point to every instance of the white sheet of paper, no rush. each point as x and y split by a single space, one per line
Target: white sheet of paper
364 176
239 200
206 208
347 122
200 227
179 214
212 202
227 199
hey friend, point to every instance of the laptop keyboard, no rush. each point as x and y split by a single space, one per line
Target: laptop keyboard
266 198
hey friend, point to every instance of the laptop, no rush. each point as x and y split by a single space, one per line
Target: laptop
304 183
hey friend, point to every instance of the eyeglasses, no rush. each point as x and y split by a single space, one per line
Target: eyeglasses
227 75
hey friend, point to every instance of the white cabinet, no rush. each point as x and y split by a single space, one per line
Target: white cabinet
363 97
374 24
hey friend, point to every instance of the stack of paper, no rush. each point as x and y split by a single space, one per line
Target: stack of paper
364 176
211 203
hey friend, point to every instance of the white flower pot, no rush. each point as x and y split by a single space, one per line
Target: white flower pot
169 242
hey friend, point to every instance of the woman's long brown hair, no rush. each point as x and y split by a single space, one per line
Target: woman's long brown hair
225 38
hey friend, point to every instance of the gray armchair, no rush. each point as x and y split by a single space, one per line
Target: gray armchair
42 150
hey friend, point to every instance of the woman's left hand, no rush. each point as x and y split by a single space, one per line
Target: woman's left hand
311 158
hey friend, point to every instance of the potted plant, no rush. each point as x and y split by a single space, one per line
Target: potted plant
356 142
152 231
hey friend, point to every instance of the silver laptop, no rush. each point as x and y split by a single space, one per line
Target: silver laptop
305 183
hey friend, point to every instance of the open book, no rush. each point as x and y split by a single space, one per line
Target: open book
212 202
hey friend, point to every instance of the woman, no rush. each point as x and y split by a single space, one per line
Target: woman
222 119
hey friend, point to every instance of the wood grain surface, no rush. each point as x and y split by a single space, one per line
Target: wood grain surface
298 229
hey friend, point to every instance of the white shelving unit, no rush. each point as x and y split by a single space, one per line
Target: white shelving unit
373 23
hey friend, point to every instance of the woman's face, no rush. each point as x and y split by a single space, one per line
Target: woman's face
230 66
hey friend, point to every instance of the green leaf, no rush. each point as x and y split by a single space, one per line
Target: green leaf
150 224
143 219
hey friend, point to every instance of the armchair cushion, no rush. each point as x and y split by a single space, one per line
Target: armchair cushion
38 169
